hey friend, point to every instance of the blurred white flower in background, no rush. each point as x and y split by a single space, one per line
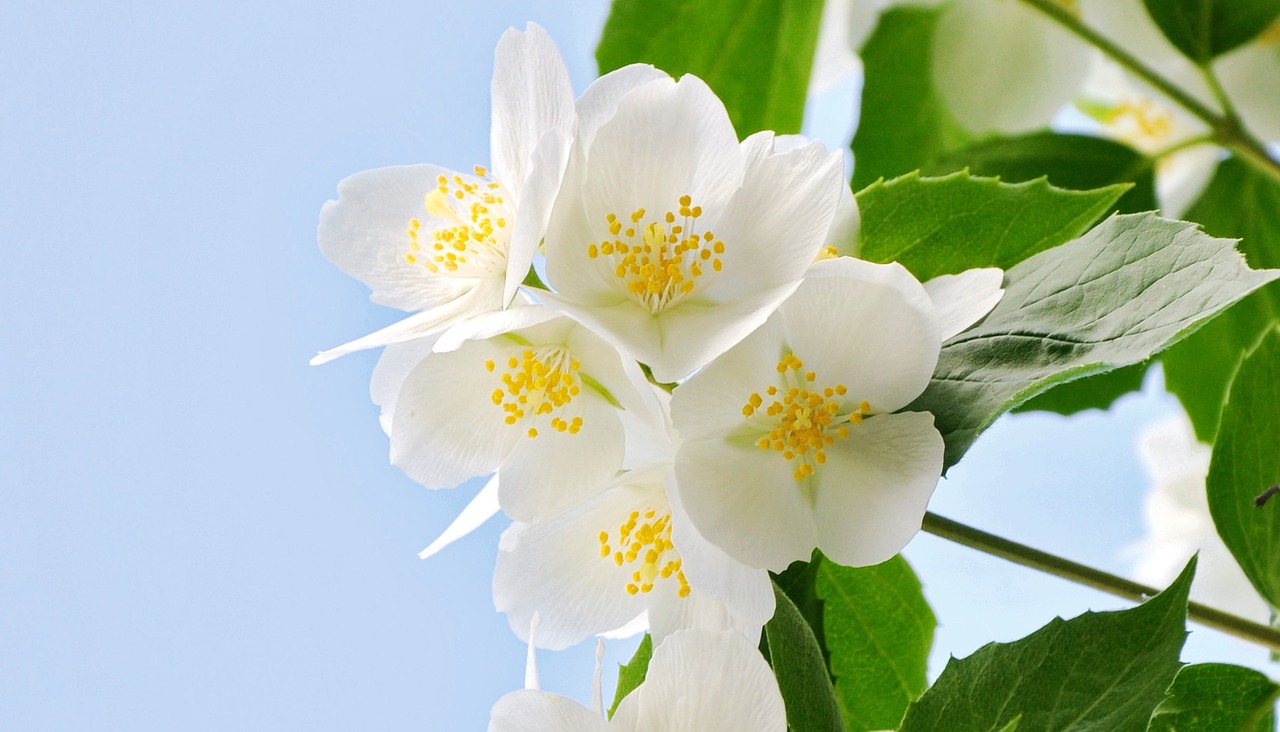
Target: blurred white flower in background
1178 523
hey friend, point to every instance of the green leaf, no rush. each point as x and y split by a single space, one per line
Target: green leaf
800 581
936 226
1078 162
1244 464
1102 672
903 123
632 673
755 54
1203 29
802 673
879 629
1239 202
1209 697
1113 297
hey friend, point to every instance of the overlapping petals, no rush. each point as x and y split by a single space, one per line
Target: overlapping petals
453 245
673 240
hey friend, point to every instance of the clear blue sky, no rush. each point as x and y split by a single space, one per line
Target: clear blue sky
199 531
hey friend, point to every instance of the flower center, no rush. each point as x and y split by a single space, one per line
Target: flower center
1142 123
538 381
659 261
801 420
472 241
645 537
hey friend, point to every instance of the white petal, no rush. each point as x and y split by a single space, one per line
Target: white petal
870 497
833 58
600 101
446 428
555 569
364 233
1002 66
963 299
687 688
871 327
546 170
1183 176
546 474
481 508
1251 76
672 614
531 96
540 711
491 324
862 19
393 366
483 298
746 501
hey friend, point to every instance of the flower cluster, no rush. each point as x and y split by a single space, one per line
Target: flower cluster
708 386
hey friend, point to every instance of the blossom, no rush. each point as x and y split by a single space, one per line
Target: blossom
534 396
1251 75
793 439
451 245
1178 524
672 239
624 551
697 680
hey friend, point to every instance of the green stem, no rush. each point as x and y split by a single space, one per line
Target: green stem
1095 578
1227 129
1180 146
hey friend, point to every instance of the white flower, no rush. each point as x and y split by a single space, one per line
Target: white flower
452 245
1251 76
539 401
697 681
625 551
791 438
1002 65
673 240
1178 523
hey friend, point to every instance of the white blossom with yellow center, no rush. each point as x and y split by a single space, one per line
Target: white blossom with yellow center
673 240
793 440
696 680
627 551
447 245
541 404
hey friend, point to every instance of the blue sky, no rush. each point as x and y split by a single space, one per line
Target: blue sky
199 531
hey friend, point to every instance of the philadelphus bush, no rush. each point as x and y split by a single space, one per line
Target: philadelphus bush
685 361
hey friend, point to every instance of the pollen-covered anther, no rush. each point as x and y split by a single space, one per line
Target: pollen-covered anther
538 381
659 260
468 235
645 537
802 420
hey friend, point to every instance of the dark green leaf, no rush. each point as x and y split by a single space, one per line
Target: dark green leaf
1101 672
1203 29
1239 202
903 123
1078 162
1093 392
800 582
936 226
802 674
632 673
879 629
755 54
1209 697
1113 297
1246 462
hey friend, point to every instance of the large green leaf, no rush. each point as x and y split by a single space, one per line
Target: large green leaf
1113 297
1102 672
802 673
1209 697
879 629
1239 202
1078 162
1244 464
632 673
936 226
800 582
1203 29
903 123
755 54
